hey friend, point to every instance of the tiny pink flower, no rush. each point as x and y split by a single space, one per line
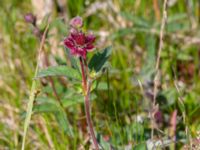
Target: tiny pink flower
76 22
30 18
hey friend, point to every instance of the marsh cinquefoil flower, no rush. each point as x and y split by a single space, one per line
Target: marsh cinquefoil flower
79 42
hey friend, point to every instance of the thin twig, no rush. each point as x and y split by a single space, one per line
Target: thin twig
164 20
156 78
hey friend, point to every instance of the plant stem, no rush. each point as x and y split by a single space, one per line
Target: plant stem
157 74
89 121
86 90
84 82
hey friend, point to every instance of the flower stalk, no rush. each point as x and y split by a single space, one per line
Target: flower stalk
86 91
84 82
80 43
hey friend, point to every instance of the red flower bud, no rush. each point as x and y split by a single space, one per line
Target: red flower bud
76 22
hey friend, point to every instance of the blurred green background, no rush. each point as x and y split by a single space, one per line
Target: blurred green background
122 97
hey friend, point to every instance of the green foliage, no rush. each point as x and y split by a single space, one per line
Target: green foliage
99 59
59 71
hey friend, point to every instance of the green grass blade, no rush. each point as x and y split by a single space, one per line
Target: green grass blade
29 109
33 91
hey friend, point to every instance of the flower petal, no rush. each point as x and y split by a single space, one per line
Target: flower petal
79 38
73 51
68 43
89 47
90 38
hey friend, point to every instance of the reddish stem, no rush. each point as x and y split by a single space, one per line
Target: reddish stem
86 90
84 82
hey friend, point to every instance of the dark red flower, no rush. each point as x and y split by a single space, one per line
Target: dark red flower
79 43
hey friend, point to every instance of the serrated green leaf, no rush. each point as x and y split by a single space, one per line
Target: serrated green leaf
99 59
59 71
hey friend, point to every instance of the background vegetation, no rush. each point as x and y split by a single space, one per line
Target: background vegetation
122 96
